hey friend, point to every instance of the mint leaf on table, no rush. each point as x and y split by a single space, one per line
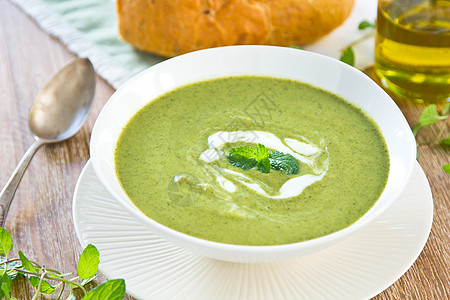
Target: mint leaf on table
36 282
430 116
348 56
26 263
446 168
284 162
109 290
88 263
246 158
446 142
5 285
366 24
6 243
45 288
37 275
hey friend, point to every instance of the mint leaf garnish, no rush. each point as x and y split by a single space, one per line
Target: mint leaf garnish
5 284
246 158
261 152
264 165
243 157
284 162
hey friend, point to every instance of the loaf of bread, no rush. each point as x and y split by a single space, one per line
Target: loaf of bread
172 27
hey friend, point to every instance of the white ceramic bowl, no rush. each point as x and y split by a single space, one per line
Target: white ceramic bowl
317 70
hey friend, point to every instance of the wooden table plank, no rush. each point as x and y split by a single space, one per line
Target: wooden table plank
40 219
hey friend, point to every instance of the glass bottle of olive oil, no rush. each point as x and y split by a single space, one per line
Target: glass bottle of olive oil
412 49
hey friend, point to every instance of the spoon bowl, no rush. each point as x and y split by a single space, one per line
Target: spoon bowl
58 113
61 107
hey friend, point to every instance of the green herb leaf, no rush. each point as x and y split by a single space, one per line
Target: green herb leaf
6 243
446 142
88 264
263 165
366 24
245 157
248 157
261 152
46 287
446 168
244 151
297 47
284 162
26 264
111 290
348 56
429 116
242 162
5 285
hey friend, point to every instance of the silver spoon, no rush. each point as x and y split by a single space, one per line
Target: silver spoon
58 113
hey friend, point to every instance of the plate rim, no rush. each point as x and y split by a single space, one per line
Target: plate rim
420 242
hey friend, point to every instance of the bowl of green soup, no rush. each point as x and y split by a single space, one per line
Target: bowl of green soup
252 153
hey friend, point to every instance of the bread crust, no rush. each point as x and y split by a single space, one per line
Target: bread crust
172 27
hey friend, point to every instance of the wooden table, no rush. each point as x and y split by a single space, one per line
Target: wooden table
40 218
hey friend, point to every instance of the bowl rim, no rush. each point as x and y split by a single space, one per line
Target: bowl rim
168 232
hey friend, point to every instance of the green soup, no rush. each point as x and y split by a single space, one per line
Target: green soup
172 161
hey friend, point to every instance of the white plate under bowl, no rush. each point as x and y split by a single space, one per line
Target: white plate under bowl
359 267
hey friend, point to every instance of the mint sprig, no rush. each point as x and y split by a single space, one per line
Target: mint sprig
431 116
42 278
347 53
259 157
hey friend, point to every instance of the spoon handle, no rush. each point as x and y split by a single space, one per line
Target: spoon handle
7 194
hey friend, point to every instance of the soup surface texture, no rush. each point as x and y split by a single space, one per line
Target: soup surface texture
172 159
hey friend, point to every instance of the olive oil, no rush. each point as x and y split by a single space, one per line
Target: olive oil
412 49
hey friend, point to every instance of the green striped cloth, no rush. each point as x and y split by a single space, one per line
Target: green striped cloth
89 28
